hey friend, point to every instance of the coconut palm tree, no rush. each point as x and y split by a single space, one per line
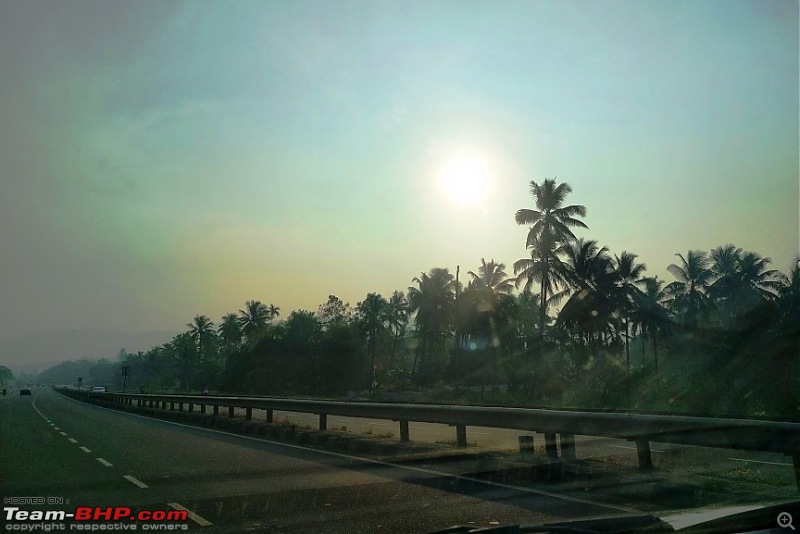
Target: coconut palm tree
588 270
543 267
201 330
489 297
253 319
433 302
648 311
183 351
756 278
492 279
687 296
628 273
398 317
273 311
373 315
550 225
229 331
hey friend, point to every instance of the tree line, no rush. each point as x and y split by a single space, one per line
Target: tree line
572 325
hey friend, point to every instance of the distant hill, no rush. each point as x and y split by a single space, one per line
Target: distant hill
41 350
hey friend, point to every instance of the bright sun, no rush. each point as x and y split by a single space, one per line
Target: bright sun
465 179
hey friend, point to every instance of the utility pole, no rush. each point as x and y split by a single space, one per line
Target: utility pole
457 344
125 371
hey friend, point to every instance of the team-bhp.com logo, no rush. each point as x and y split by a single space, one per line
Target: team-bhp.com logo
94 519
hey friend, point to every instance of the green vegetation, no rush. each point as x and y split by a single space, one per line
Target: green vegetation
723 337
6 376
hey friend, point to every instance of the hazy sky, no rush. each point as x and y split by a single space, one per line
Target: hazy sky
161 159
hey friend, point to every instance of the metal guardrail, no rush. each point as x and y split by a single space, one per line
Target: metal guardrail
728 433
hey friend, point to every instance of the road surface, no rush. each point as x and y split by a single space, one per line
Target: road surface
90 456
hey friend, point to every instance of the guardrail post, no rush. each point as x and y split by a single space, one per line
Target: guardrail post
216 409
248 414
526 444
171 405
191 407
202 408
461 435
180 406
568 446
323 421
138 402
643 452
269 415
230 411
404 431
550 446
163 405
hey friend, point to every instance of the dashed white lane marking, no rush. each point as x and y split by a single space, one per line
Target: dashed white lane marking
72 440
135 481
63 433
632 448
56 428
104 462
193 516
757 461
84 449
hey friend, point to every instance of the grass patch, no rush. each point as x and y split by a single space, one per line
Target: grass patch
751 475
286 422
370 432
452 443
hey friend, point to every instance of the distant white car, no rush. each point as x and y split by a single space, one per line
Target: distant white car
98 389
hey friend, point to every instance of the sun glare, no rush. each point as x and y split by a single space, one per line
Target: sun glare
465 179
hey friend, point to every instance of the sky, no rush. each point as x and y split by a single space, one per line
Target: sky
163 159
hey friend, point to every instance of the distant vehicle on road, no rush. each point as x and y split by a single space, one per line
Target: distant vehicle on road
25 391
98 389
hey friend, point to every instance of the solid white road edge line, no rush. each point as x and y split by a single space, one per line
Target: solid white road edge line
193 516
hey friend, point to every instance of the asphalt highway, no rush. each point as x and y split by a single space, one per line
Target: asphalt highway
55 447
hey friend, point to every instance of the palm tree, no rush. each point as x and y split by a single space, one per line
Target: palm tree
789 302
490 296
492 279
687 294
433 300
725 267
229 331
201 331
373 314
544 267
588 269
628 273
756 278
648 312
183 350
253 319
551 224
398 316
273 311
